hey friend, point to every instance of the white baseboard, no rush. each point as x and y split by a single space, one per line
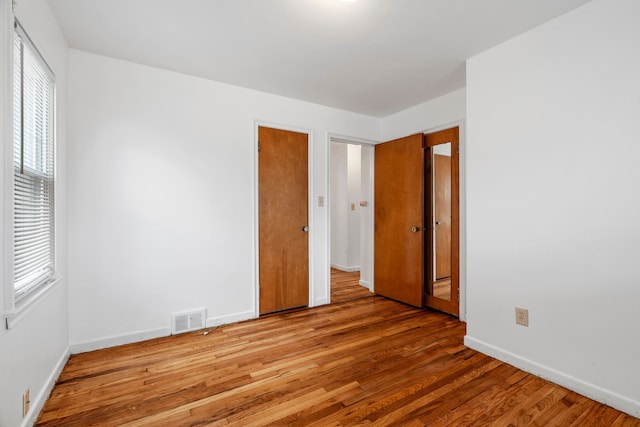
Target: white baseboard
347 269
584 388
38 403
320 301
119 340
365 284
152 333
230 318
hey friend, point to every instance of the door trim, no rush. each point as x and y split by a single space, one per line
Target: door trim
256 222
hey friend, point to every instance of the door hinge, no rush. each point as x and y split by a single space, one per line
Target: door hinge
258 146
458 148
13 7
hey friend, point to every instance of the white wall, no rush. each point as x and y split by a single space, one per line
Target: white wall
339 199
162 196
366 217
449 109
354 160
558 233
34 350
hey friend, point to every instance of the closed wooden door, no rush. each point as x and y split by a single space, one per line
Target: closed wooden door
283 219
442 214
399 220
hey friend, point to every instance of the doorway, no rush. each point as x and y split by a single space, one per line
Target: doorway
283 231
417 220
350 215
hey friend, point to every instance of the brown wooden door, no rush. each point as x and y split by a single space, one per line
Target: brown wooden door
446 300
399 220
442 210
282 217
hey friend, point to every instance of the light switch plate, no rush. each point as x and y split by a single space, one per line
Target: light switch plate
320 201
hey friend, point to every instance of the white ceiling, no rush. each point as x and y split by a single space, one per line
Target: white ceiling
374 57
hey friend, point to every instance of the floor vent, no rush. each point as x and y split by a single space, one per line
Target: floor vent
187 321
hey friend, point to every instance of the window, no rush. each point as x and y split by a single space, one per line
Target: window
33 168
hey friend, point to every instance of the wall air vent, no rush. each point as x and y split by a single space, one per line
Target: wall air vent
186 321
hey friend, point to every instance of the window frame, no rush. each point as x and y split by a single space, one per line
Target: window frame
18 299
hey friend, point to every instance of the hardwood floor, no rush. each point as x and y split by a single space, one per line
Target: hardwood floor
363 360
345 287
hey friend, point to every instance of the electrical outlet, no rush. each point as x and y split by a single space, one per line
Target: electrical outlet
25 403
522 316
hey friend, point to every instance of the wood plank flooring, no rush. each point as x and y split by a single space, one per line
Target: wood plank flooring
345 287
363 360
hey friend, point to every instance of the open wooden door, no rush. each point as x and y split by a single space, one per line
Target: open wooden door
283 219
399 220
443 219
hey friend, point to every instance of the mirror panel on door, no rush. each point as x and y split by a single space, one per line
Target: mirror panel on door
441 217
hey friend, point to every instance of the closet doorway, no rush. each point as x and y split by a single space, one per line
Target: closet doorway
417 220
283 219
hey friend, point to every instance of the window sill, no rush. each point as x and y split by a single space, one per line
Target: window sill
13 317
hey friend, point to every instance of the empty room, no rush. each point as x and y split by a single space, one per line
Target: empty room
320 212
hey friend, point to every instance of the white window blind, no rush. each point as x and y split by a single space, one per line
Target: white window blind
33 165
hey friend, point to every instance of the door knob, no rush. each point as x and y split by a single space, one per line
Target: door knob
305 228
416 229
437 222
